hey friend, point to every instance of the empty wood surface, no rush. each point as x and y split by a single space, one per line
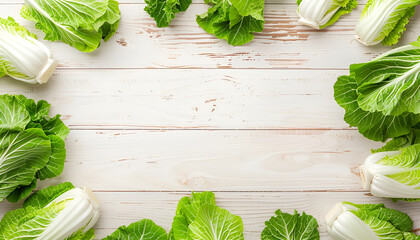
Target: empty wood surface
158 113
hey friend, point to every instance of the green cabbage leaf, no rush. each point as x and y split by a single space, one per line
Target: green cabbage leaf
295 226
31 145
198 217
145 229
235 21
163 11
79 23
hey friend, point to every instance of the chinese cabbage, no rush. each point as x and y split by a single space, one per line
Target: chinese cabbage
22 56
319 14
384 21
60 212
79 23
31 145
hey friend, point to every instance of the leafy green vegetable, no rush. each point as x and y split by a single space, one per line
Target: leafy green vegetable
393 174
187 211
198 217
22 57
145 229
163 11
373 125
389 84
235 21
79 23
57 212
401 142
381 97
322 13
384 21
215 223
31 145
286 226
368 221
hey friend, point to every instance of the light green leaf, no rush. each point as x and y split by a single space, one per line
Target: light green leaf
55 165
187 210
22 192
286 226
405 166
109 22
79 23
81 235
389 84
346 7
13 114
145 229
163 11
43 197
226 22
215 223
55 126
22 155
373 125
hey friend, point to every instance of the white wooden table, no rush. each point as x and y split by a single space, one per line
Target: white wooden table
157 113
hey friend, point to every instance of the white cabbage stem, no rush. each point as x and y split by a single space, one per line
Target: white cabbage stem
81 211
344 225
373 21
375 178
27 56
315 13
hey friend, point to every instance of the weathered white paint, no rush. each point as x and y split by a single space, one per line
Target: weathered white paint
194 99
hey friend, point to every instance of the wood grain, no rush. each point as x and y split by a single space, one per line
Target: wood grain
190 99
215 160
254 208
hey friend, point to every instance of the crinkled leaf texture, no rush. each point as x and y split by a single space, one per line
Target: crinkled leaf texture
215 223
22 57
373 125
398 143
187 211
62 211
31 145
390 83
198 217
79 23
235 21
322 13
163 11
145 229
286 226
384 21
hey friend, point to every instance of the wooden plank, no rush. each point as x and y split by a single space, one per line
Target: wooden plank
182 160
192 99
283 44
255 208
